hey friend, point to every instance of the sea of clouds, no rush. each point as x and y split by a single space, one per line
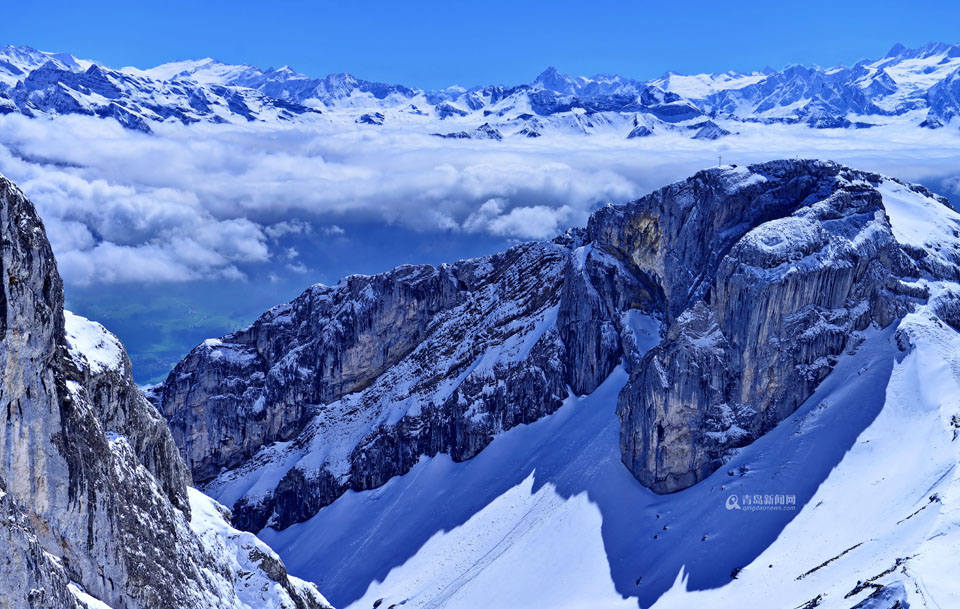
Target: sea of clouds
203 201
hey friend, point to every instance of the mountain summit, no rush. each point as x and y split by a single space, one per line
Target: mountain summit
684 332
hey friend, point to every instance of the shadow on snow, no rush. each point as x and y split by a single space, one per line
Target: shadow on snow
647 538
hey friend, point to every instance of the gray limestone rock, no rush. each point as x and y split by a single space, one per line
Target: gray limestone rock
793 258
93 493
376 372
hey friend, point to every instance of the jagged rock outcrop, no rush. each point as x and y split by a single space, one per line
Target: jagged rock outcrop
598 290
752 280
709 130
354 383
99 365
94 504
944 101
327 343
483 132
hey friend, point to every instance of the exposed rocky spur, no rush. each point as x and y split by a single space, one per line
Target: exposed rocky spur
349 385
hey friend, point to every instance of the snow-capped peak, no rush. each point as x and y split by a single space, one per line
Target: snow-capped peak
553 80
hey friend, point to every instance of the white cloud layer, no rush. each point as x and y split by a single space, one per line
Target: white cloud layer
204 201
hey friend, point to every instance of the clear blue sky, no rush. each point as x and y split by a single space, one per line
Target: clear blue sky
434 44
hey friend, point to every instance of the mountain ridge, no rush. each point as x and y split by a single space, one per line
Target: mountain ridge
350 385
900 87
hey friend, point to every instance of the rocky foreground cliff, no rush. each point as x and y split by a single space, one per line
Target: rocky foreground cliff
751 281
95 508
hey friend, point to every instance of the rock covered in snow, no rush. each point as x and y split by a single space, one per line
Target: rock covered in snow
483 132
94 504
944 100
371 118
639 131
709 131
760 275
42 84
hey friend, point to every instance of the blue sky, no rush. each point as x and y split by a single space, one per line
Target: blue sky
434 44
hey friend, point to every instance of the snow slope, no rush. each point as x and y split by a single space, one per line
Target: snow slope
93 344
699 86
245 557
853 498
552 502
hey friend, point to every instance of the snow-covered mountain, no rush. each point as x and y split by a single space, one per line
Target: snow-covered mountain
742 386
41 84
916 87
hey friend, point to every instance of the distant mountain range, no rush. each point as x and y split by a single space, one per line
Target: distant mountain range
914 87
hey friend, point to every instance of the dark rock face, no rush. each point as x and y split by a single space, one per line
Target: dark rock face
786 266
483 132
710 131
753 280
92 487
944 101
371 118
639 131
121 408
332 341
446 110
597 289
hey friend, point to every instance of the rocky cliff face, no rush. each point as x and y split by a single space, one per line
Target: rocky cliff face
93 494
350 335
350 385
752 280
765 273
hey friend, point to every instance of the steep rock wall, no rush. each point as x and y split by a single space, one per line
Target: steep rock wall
93 492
